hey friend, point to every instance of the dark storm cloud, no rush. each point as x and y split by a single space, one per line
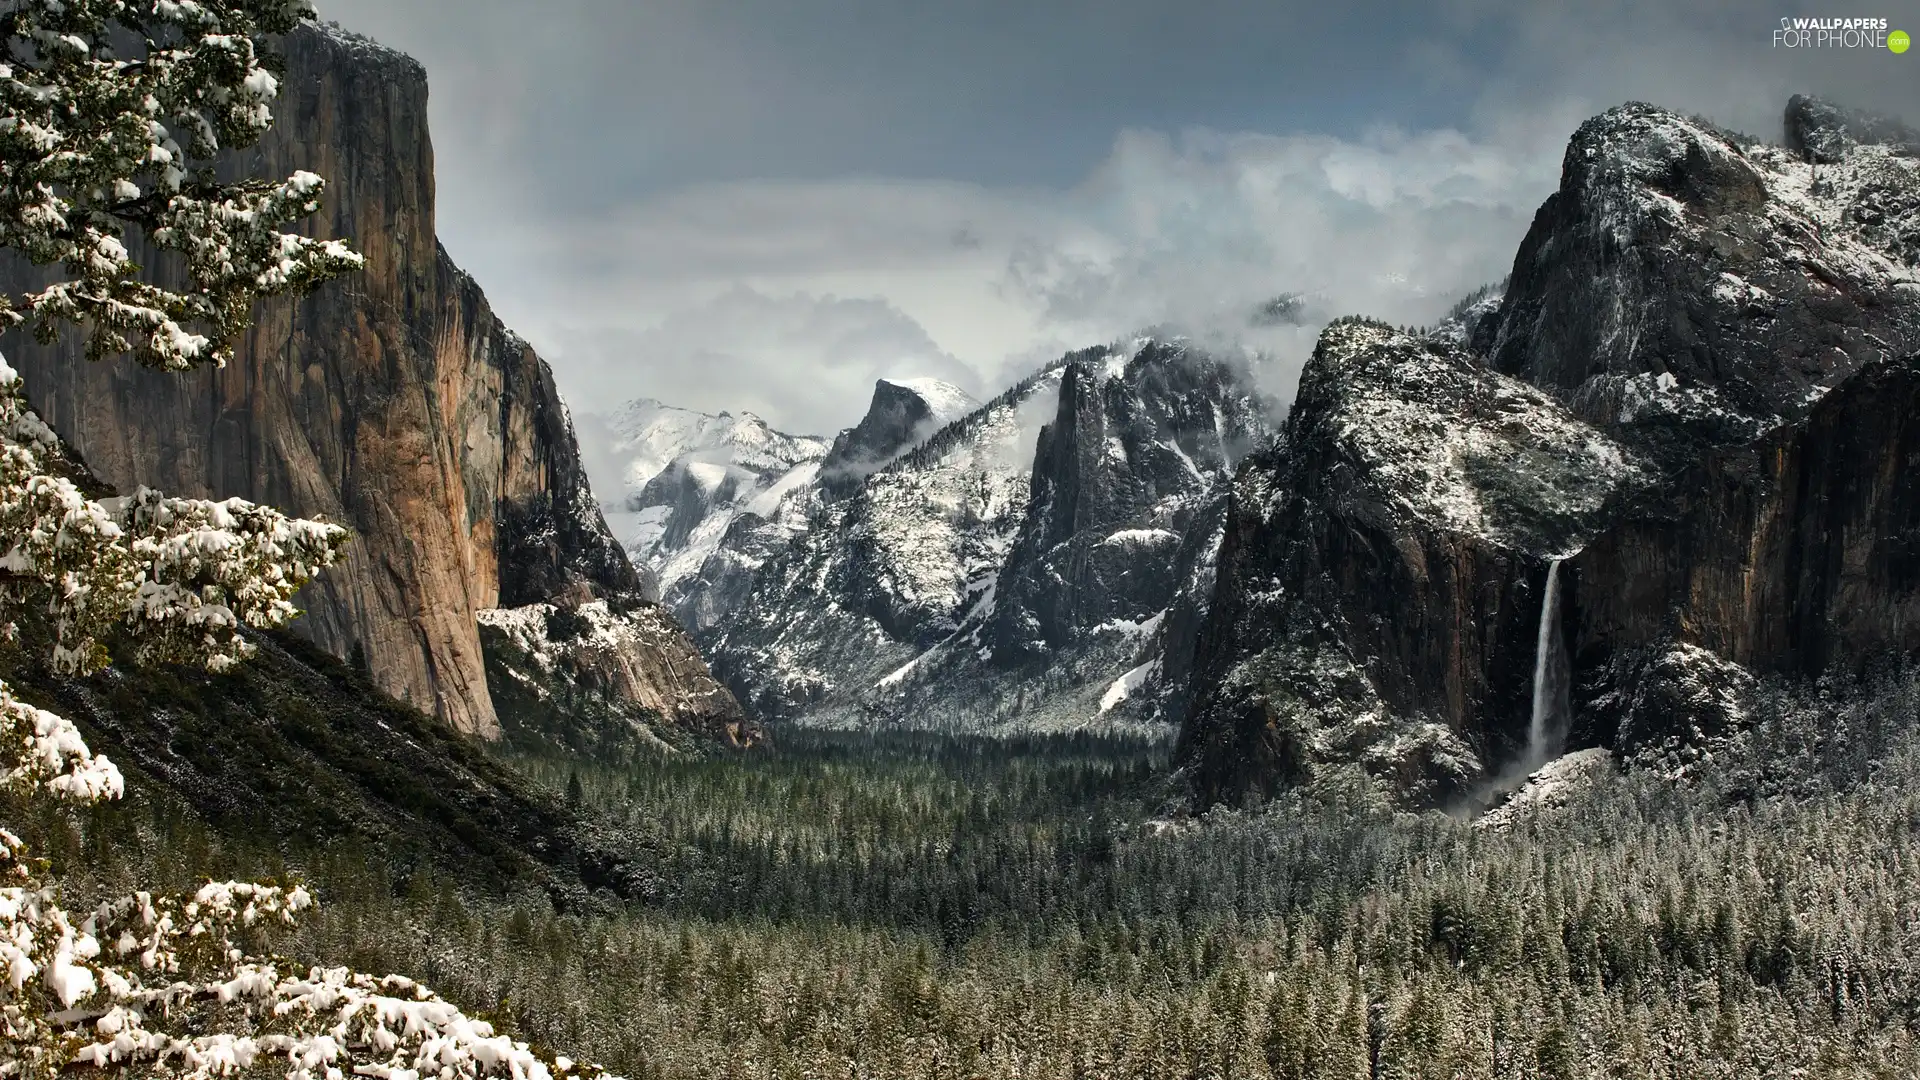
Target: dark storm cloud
692 92
679 199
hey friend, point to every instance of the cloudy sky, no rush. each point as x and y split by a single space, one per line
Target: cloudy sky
767 204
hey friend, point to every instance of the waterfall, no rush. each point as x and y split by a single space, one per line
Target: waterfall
1548 685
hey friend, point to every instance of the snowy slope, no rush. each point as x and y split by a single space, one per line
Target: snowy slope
945 401
680 477
902 414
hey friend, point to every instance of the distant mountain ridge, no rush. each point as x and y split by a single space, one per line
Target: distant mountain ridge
675 478
930 587
703 496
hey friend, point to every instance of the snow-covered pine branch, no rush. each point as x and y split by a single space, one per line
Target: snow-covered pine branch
168 986
110 114
181 576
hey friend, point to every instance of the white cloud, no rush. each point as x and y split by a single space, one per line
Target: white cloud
1196 231
799 360
789 299
542 126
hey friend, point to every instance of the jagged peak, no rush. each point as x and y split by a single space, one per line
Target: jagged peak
943 399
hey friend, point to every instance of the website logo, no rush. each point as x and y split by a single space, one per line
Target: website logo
1808 32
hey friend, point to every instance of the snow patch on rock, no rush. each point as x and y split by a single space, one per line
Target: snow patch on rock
1551 789
946 401
1127 685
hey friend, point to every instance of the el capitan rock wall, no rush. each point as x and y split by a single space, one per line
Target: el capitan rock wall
392 400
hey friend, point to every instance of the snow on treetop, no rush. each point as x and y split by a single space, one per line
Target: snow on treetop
1555 786
365 47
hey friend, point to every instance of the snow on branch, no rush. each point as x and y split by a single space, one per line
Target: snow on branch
111 115
180 576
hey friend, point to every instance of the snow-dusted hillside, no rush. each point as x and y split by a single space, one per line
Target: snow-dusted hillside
1684 416
677 478
1013 570
702 500
903 413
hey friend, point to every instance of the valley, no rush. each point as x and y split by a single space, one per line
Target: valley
1528 693
954 906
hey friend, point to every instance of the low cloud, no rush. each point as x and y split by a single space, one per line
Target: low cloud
789 299
692 201
1197 233
797 359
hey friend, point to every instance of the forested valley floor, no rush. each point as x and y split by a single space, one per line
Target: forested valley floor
943 907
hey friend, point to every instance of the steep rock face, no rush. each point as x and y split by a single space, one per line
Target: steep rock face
1790 554
622 666
1116 477
885 571
393 401
1377 599
1822 131
1693 388
1016 569
1704 292
903 412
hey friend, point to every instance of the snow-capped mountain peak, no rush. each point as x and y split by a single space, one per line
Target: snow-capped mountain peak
945 401
675 478
902 414
982 576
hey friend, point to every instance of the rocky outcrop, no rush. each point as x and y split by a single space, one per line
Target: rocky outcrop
1119 477
903 412
1380 575
393 400
610 670
1821 131
1694 390
1702 292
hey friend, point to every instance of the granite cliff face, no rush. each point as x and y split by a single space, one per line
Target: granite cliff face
394 401
1699 292
903 413
1695 391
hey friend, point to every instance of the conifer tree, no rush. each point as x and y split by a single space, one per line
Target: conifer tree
111 115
